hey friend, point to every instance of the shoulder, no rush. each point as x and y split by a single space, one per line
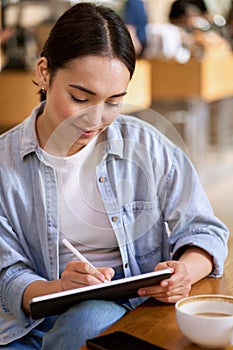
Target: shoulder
9 138
15 143
160 148
130 127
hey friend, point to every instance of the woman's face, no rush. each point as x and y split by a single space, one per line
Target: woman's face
82 100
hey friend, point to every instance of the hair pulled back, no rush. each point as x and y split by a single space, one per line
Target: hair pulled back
88 29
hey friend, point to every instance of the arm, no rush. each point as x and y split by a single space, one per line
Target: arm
39 288
76 275
198 263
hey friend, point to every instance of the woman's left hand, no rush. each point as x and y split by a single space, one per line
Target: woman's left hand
170 290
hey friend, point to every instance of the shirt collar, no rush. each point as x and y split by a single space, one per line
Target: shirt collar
115 143
29 140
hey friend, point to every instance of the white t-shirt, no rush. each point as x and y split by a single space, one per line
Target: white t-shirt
82 216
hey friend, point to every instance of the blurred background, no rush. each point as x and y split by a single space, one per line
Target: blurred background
183 83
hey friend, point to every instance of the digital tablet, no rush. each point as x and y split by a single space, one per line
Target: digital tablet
125 288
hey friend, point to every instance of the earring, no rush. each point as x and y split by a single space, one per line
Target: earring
41 84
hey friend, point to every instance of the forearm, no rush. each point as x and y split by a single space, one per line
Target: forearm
198 263
39 288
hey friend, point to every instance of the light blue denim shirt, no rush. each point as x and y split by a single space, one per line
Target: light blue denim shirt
147 185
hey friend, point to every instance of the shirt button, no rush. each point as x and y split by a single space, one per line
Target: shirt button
114 219
102 179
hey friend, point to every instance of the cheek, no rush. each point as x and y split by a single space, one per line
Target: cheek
110 114
110 120
61 108
63 111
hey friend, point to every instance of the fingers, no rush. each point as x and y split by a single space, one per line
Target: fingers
108 273
165 294
172 289
80 274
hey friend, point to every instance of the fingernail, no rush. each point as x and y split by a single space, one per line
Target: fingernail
142 292
109 277
164 283
100 276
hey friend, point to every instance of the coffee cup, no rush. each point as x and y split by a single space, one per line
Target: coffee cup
206 320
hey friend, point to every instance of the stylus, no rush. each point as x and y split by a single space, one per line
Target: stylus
78 254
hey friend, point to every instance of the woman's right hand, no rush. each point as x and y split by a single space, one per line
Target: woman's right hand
76 275
81 274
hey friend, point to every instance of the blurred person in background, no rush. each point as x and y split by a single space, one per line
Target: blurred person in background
5 35
199 32
183 11
135 17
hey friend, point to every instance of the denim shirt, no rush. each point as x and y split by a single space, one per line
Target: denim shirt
147 185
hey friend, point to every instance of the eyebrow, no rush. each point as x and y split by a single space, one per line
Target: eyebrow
82 88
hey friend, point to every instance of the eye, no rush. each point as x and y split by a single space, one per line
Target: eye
113 104
78 100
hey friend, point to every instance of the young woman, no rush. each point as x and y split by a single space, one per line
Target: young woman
135 17
111 184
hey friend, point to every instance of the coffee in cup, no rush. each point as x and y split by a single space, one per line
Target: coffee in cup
206 320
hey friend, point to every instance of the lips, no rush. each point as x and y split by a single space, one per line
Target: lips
84 132
88 133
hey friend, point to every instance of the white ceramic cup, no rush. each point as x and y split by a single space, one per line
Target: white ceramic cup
206 320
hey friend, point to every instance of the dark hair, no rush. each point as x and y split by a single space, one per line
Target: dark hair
180 7
88 29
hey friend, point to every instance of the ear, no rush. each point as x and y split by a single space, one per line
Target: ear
42 73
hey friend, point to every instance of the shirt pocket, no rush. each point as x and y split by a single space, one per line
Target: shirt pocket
144 234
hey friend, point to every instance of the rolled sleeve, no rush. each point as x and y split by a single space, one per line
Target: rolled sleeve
12 287
214 243
190 216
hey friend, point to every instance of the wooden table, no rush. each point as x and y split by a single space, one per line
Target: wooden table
155 322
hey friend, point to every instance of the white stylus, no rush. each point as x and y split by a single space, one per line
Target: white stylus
78 254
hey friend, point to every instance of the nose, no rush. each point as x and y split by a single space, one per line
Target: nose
94 115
